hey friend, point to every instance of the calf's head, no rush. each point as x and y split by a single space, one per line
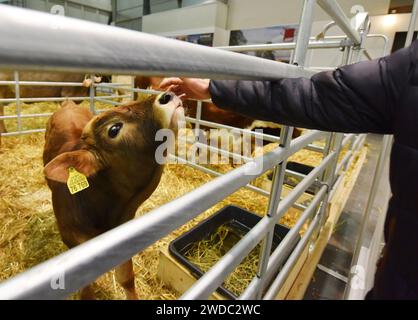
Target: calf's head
121 139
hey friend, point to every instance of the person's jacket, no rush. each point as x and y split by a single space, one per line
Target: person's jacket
379 96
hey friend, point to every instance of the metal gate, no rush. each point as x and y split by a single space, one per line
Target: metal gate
131 52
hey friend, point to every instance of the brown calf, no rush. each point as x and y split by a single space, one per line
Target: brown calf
116 152
8 91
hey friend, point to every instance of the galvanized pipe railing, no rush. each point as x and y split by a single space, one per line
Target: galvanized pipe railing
283 249
214 173
84 263
305 27
56 99
129 52
333 9
212 279
42 83
331 44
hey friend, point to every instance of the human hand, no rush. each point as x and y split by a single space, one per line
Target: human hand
187 88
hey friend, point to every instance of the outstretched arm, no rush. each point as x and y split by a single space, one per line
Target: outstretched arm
357 98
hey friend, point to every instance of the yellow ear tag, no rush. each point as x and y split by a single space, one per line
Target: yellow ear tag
76 181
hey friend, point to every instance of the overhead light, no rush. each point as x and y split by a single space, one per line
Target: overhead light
389 20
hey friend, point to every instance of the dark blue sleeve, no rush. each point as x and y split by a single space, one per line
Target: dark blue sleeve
358 98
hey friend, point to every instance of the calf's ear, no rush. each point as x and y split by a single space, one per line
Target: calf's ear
82 160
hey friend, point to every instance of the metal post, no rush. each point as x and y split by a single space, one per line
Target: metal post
198 117
304 32
133 87
346 56
275 192
285 139
330 177
412 23
350 147
18 107
92 94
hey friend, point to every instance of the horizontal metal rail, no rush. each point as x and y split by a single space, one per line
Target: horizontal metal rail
113 85
56 99
114 103
283 46
43 83
215 125
315 148
347 139
129 52
84 263
137 53
18 133
212 279
344 161
218 174
222 152
34 115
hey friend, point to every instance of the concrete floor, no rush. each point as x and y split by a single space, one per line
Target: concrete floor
328 280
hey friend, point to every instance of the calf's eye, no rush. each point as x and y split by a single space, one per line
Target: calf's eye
114 130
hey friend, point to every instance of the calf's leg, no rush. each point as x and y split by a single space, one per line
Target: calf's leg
126 278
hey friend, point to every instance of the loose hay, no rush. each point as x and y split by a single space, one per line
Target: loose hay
207 252
28 231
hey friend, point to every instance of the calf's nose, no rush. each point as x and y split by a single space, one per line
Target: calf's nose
166 97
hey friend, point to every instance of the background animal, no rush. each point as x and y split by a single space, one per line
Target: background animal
116 152
8 91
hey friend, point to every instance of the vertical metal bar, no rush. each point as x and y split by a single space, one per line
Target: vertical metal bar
292 55
133 87
198 118
328 179
346 56
350 148
275 192
18 106
301 49
304 32
412 23
327 150
92 95
291 261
